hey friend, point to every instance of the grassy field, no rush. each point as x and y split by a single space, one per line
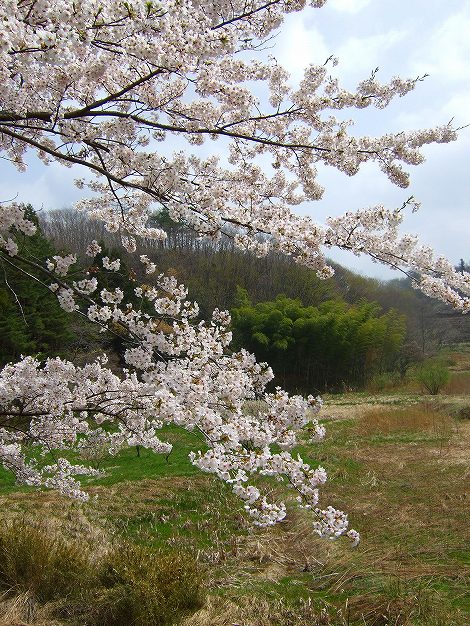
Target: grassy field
398 463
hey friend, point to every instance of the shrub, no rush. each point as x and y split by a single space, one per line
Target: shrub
433 376
384 381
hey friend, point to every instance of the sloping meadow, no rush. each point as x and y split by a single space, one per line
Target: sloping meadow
159 543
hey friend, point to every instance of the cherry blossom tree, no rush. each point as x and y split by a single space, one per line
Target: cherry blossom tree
107 86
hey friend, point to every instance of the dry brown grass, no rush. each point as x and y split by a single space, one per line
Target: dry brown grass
459 360
424 417
45 577
23 610
459 384
254 611
401 473
57 515
354 405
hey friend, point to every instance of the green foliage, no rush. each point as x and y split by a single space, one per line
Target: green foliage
31 320
433 376
328 346
384 381
212 271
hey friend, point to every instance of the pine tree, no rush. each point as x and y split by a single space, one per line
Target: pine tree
31 321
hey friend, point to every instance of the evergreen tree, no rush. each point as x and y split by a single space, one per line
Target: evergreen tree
31 321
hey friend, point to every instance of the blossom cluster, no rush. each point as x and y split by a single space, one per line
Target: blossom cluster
61 264
112 266
12 217
179 371
102 89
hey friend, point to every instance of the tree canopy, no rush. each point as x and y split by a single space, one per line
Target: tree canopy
312 349
31 320
100 87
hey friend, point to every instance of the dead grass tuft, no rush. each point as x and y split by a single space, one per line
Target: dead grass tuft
23 610
459 384
143 588
256 611
424 417
42 564
44 577
398 605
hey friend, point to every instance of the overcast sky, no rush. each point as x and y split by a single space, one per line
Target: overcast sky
406 38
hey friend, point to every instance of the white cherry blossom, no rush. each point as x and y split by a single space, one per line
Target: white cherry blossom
101 86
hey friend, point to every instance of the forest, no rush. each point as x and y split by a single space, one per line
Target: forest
317 335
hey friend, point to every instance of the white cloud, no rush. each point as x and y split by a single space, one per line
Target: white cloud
426 38
446 53
348 6
425 114
300 44
458 108
49 187
361 55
